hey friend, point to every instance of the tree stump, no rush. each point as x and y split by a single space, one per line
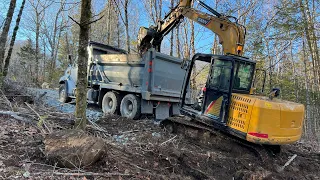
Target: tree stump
73 148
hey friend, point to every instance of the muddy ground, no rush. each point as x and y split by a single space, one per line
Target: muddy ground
142 150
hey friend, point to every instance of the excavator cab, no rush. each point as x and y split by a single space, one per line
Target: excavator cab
224 75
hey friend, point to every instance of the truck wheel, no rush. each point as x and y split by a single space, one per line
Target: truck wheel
130 107
111 103
63 96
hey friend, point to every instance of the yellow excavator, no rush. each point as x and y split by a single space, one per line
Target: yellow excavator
228 100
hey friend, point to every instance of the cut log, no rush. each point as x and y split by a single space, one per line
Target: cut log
73 148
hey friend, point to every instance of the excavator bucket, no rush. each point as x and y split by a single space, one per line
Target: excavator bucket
145 36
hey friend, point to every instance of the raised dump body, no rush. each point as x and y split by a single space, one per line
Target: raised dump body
154 80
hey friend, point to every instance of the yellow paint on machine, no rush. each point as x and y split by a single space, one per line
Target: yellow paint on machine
281 121
240 112
214 107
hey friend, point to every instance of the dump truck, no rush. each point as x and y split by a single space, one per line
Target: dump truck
128 84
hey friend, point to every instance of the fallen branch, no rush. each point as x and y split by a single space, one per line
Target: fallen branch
47 165
91 174
96 127
67 120
8 95
137 166
168 140
133 131
15 116
41 119
128 132
287 163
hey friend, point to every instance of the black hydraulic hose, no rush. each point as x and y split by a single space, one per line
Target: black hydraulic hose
209 8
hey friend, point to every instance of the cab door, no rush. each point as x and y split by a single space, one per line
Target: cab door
217 93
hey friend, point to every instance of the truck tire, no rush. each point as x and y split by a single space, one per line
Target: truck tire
130 106
63 95
111 103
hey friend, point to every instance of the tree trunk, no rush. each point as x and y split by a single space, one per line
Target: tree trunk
215 39
15 30
5 31
37 48
70 60
126 2
109 22
118 25
193 52
44 60
53 47
57 47
118 33
82 82
307 116
178 42
294 73
171 36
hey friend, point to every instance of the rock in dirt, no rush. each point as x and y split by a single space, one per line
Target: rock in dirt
73 148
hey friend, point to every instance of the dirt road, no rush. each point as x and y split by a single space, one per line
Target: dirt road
51 96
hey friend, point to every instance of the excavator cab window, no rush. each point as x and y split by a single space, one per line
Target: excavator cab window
218 89
243 76
215 94
220 76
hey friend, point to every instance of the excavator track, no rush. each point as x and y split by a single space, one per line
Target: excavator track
173 124
260 151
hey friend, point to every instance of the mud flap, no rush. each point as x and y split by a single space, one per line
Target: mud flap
175 109
162 111
146 107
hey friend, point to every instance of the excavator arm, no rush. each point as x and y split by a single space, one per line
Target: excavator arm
231 34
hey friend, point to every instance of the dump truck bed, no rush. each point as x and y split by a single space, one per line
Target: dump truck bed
155 75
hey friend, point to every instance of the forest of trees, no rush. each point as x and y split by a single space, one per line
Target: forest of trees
282 37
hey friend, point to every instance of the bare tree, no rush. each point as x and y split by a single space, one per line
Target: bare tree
38 8
15 30
82 82
154 9
125 19
53 34
5 31
107 30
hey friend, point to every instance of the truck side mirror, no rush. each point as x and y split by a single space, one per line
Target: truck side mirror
185 64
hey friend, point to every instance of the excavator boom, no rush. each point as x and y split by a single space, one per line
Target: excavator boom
231 34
